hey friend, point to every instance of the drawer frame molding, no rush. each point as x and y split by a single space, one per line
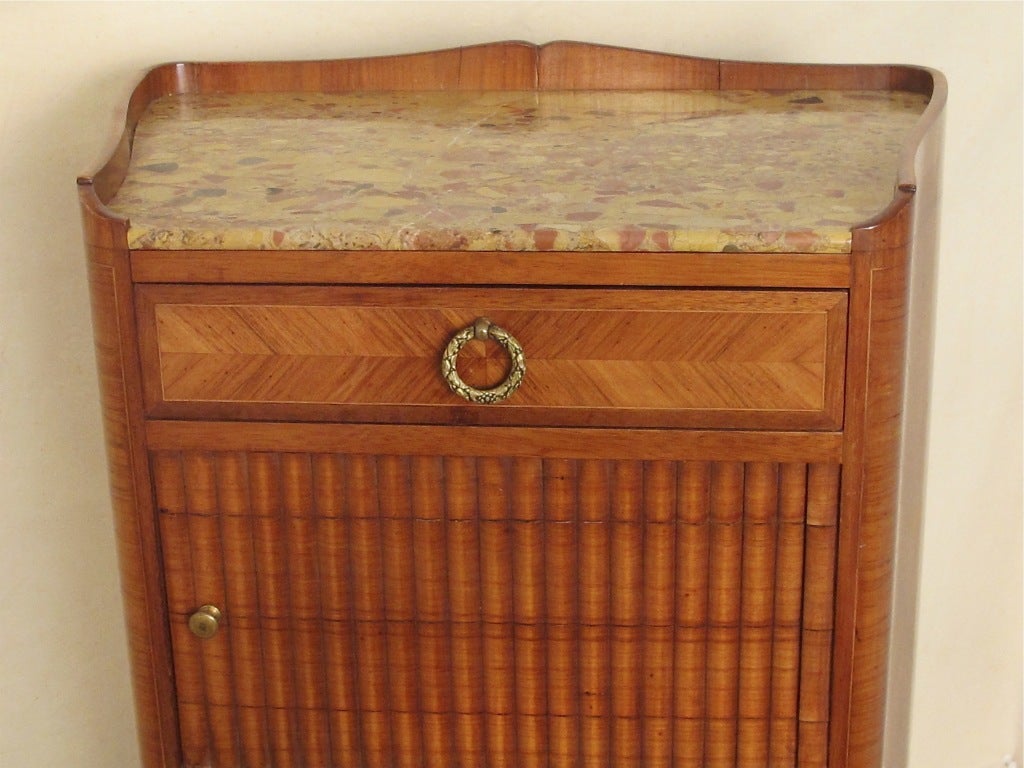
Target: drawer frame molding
735 359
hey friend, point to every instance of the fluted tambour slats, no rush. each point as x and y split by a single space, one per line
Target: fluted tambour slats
272 583
422 611
206 543
169 492
240 583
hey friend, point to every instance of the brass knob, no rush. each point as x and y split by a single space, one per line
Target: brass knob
205 622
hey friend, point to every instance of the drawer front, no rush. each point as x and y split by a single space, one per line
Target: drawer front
742 359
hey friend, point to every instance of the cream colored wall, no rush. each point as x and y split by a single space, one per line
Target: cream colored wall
65 71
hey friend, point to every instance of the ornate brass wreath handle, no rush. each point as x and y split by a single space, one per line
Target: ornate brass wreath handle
484 329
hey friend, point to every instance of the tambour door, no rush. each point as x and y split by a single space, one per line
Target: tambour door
468 596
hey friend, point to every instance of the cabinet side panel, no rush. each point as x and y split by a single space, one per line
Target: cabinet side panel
136 537
878 321
877 527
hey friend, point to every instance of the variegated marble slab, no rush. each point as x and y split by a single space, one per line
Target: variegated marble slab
579 171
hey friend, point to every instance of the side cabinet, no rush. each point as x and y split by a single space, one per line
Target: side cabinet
663 534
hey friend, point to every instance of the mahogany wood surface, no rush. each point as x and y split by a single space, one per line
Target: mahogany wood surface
569 66
877 351
653 358
521 593
744 75
493 66
386 610
704 270
135 527
540 442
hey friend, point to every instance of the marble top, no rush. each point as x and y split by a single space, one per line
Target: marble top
519 171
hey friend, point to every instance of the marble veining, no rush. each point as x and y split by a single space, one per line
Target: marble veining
520 171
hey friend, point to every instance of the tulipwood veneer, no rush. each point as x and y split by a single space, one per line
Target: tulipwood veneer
682 358
670 546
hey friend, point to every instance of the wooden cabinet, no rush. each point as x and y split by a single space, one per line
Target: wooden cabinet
667 542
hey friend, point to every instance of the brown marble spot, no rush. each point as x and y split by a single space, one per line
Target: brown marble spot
583 215
544 239
631 239
801 240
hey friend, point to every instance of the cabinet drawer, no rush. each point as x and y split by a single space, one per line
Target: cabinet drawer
750 359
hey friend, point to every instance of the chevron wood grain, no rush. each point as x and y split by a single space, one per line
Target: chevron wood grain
735 352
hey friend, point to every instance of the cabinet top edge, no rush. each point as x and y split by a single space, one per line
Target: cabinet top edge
518 66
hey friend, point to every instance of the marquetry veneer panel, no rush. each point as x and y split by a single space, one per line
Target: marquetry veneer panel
692 358
386 610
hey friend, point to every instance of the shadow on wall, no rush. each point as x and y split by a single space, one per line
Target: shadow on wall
910 519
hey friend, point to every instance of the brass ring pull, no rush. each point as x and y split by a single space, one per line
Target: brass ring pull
483 329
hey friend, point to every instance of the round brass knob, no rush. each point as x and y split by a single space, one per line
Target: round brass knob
205 622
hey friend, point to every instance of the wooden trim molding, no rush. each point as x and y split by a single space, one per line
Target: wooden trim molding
874 405
137 541
703 270
612 357
532 442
